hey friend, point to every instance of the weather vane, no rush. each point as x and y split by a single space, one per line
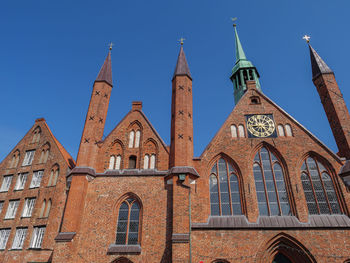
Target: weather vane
111 46
233 20
181 41
307 38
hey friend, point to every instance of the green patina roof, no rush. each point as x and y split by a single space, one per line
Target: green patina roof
241 59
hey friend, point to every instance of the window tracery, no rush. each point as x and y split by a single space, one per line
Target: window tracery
320 195
224 186
128 225
270 184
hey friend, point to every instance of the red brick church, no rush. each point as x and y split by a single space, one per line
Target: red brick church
264 190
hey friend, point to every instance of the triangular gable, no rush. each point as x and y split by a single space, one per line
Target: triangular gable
244 100
66 156
148 123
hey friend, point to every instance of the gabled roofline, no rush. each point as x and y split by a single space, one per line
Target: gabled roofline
65 154
148 122
318 141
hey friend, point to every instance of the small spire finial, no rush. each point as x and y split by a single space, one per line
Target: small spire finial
111 45
181 40
233 20
307 38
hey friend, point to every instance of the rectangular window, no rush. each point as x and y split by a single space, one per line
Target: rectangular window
19 238
28 207
1 206
21 181
12 209
28 158
36 179
37 237
6 183
4 236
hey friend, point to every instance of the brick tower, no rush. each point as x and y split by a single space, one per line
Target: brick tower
181 157
88 150
333 102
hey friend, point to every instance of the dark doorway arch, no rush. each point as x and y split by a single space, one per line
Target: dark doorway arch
280 258
122 260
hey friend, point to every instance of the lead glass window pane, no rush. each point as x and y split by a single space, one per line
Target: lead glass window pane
235 197
270 185
214 195
321 187
224 192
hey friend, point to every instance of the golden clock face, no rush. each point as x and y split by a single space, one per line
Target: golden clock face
261 126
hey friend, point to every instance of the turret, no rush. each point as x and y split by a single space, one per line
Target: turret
242 71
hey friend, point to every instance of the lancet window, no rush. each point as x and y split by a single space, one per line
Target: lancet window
128 226
270 184
225 198
321 197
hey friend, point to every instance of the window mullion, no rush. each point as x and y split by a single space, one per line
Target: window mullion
263 177
312 187
127 225
218 180
229 186
324 189
274 182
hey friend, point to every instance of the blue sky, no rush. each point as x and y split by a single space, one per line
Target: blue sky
51 52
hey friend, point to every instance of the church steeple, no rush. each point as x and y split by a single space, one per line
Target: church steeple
105 73
332 100
242 71
182 68
317 64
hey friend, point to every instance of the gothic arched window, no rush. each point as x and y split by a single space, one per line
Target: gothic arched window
270 184
224 186
318 186
128 223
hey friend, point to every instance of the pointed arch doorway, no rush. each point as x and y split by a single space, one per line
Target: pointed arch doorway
280 258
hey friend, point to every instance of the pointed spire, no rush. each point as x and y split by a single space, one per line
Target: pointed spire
239 49
317 64
105 73
182 68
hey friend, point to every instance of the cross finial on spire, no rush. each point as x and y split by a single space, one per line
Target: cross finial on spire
111 45
181 40
233 20
307 38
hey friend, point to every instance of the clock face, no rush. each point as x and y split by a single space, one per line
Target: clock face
261 126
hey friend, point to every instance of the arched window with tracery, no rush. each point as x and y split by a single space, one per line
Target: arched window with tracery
36 135
225 198
128 226
320 195
270 184
131 139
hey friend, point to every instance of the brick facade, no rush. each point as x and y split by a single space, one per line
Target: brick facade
132 198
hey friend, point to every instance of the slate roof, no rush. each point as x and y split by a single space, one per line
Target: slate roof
317 64
315 221
105 73
182 68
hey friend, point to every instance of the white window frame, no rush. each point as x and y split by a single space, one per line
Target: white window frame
28 158
1 205
4 236
36 179
20 236
146 161
6 183
28 207
131 139
152 162
137 138
21 181
37 237
12 209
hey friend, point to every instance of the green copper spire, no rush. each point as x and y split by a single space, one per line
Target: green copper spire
239 50
242 71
